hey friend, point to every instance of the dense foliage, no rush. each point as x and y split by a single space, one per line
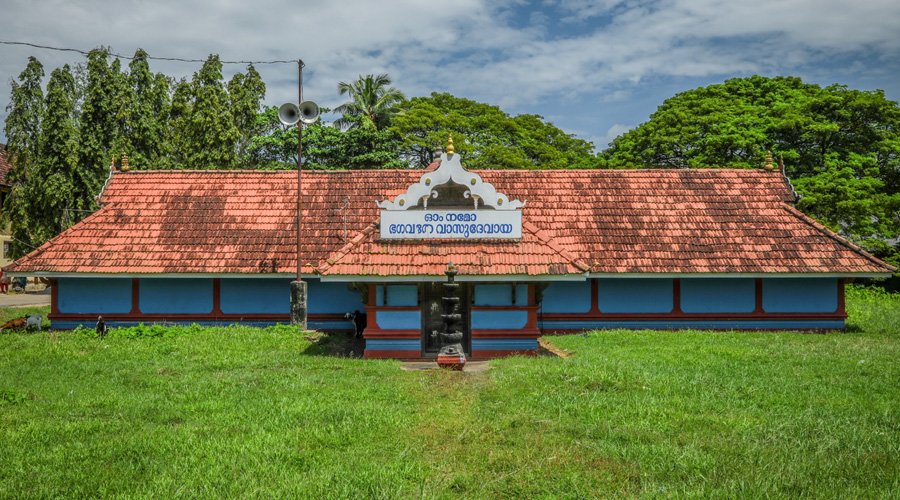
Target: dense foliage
485 135
61 143
841 147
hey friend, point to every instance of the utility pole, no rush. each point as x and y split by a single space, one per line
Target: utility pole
298 286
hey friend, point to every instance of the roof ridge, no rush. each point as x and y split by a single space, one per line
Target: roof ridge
555 246
836 237
338 254
348 171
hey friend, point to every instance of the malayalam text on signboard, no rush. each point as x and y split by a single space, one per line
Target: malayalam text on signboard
451 224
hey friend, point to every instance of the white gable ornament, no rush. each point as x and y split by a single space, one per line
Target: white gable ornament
492 216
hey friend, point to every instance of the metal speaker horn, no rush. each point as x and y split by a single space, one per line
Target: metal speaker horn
309 112
289 114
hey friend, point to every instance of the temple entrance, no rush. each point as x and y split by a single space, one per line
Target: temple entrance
432 308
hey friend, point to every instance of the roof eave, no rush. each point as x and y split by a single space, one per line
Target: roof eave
744 275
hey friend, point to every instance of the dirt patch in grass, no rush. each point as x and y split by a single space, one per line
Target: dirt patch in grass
340 345
548 349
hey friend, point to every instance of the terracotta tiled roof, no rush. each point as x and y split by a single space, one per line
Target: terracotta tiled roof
533 255
5 166
602 221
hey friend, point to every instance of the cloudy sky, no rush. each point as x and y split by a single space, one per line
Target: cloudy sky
595 68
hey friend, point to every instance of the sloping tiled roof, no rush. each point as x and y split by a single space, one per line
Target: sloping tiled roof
5 166
601 221
535 254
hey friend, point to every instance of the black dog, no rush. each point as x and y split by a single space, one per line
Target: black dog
101 327
359 322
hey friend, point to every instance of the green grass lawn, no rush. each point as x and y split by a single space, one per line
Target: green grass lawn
249 412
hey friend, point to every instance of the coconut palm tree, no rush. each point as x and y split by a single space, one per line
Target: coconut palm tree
372 101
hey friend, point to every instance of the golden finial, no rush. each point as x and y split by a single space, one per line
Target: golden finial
769 161
112 164
124 162
450 149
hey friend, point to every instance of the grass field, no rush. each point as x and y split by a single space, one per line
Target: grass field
248 412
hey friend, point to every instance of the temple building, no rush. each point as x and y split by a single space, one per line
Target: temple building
536 251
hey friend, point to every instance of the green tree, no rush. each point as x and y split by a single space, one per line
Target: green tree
487 136
203 122
372 102
43 195
841 146
325 146
99 129
178 125
23 132
26 107
246 92
143 114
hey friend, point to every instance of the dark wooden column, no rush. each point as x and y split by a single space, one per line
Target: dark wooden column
759 297
135 297
676 296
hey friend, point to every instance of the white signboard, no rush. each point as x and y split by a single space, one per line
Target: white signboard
451 224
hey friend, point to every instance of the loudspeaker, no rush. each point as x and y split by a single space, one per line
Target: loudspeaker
289 114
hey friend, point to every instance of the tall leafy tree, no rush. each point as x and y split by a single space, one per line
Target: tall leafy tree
246 92
179 124
23 132
324 146
485 134
40 201
206 123
143 114
26 107
372 102
99 127
841 146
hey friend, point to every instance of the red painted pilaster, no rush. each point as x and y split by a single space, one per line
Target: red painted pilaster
595 297
759 297
842 305
217 297
532 311
676 296
135 296
371 322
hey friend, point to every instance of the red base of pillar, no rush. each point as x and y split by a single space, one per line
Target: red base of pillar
452 361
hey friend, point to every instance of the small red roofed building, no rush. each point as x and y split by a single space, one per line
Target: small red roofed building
536 252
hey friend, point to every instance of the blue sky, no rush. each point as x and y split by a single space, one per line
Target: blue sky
594 68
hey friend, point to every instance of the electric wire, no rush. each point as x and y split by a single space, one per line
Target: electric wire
154 58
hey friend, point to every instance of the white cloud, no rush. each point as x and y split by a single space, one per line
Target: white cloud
472 48
601 143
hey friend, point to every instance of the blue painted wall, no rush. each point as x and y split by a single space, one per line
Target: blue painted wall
94 295
394 345
647 295
499 320
567 297
397 295
256 296
504 344
501 295
399 320
176 296
800 294
332 298
723 295
668 324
